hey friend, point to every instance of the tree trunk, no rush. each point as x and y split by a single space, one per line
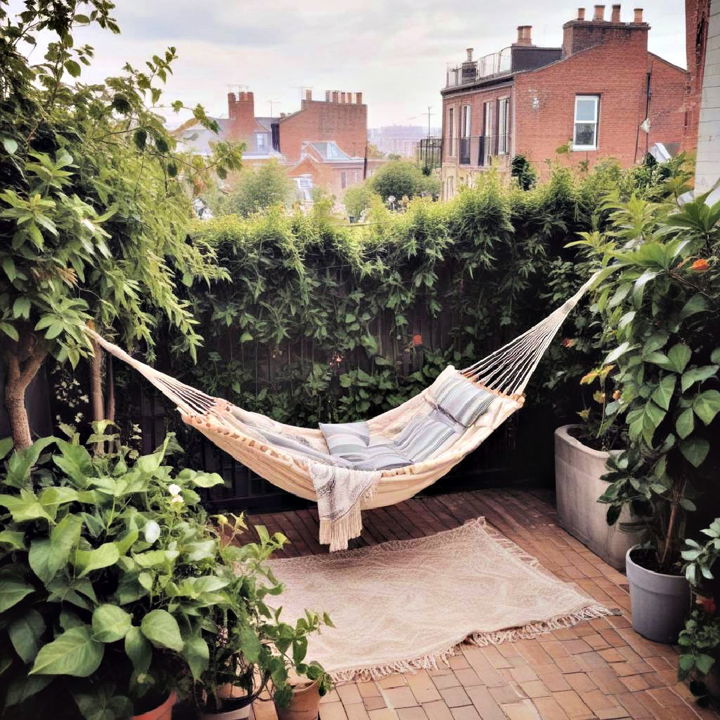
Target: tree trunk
96 390
24 360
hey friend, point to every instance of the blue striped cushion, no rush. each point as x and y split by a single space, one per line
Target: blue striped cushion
347 440
424 436
462 400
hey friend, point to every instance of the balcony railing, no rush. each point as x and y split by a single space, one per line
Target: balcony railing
484 67
478 150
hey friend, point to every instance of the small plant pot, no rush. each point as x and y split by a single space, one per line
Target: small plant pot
305 704
659 602
161 712
238 701
578 485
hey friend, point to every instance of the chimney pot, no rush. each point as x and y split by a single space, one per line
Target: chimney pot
599 12
335 96
638 15
524 35
615 17
358 98
469 52
308 94
327 96
581 14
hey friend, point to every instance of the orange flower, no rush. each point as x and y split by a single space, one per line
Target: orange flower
417 340
707 604
616 395
701 265
568 342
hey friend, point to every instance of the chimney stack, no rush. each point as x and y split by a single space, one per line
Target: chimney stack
599 13
638 15
358 98
581 14
524 36
308 94
335 96
469 52
615 17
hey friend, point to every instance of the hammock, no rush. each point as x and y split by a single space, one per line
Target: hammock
388 459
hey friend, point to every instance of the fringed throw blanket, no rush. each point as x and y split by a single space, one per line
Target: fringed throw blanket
340 493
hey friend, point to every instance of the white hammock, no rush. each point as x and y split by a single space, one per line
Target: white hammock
244 435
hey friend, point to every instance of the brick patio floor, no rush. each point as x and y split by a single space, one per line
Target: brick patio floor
597 669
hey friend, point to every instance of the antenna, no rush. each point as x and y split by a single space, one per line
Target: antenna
271 103
429 115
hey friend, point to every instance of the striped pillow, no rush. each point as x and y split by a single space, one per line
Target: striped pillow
461 399
425 436
347 440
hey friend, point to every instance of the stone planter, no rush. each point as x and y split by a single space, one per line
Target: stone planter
659 603
578 485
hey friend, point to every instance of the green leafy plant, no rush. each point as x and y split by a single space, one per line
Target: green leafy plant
95 200
700 639
660 307
117 587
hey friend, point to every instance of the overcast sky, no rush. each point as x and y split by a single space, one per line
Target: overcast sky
394 51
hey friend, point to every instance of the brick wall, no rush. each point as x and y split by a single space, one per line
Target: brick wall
241 115
342 117
617 72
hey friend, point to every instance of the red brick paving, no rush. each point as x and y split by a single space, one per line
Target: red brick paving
598 669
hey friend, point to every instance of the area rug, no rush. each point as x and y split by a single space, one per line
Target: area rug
406 605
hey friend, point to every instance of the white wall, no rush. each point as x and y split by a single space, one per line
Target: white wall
708 152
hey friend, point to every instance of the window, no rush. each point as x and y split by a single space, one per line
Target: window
343 179
451 131
261 141
488 117
466 121
503 147
585 134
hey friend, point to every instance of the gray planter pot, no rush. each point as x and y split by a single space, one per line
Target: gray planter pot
659 602
578 485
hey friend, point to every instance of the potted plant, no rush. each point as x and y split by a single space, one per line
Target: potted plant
700 638
660 308
581 455
111 575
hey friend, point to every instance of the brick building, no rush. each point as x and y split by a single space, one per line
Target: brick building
601 93
323 144
697 18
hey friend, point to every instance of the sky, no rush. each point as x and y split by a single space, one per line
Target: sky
394 51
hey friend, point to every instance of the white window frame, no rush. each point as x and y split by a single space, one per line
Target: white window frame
451 130
466 130
595 122
503 129
261 141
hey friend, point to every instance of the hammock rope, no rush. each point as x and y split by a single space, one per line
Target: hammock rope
504 372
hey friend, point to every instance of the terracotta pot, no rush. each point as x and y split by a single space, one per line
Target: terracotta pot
161 712
305 704
578 485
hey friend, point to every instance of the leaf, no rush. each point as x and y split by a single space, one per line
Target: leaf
162 630
707 405
250 644
110 623
207 480
639 286
679 356
14 539
12 590
140 138
25 687
664 391
697 374
6 445
25 634
10 145
685 423
104 556
618 352
73 652
138 649
73 68
695 450
197 654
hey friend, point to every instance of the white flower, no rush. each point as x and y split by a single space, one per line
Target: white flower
174 489
176 499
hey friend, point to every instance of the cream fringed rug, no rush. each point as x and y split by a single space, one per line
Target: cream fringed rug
406 605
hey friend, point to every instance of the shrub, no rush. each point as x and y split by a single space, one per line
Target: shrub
402 178
117 587
660 309
255 189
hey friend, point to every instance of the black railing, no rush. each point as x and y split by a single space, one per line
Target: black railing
429 154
